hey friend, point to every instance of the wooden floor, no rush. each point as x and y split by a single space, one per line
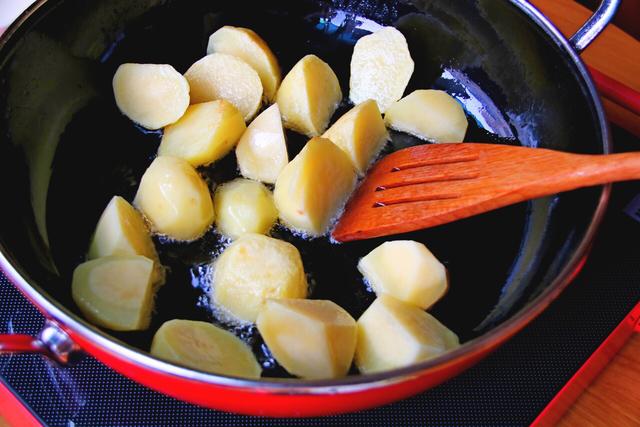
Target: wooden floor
613 399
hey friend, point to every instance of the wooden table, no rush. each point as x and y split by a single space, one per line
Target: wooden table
615 53
613 399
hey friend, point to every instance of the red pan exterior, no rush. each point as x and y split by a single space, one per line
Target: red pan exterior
297 401
253 401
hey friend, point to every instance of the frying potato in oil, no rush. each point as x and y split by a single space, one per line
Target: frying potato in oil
115 292
381 67
262 149
175 199
222 76
206 133
152 95
312 339
308 96
393 334
254 268
121 231
203 346
406 270
252 49
360 133
244 206
313 187
432 115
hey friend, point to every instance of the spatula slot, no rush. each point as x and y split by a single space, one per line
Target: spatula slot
435 161
413 199
428 180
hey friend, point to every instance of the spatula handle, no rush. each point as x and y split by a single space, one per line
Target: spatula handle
567 172
602 169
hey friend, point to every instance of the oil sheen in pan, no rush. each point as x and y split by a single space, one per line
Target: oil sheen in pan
83 182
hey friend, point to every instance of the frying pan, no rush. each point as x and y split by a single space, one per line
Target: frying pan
65 150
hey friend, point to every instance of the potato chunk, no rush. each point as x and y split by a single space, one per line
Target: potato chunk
308 96
175 199
152 95
360 133
222 76
314 186
406 270
393 334
262 150
252 49
432 115
381 67
203 346
310 338
115 292
254 268
121 231
206 133
243 206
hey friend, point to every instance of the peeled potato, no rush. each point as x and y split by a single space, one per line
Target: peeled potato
406 270
433 115
254 268
381 67
175 199
206 133
393 334
308 96
121 231
314 186
252 49
312 339
262 150
203 346
243 206
222 76
360 133
152 95
115 291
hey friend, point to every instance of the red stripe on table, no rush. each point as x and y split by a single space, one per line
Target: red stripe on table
13 411
615 91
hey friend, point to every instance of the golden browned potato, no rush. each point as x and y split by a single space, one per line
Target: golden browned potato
206 133
381 67
360 133
433 115
393 334
244 206
115 292
310 338
254 268
262 149
222 76
121 231
252 49
406 270
314 186
308 96
175 199
152 95
203 346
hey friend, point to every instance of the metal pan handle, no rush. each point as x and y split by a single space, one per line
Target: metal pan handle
594 25
52 342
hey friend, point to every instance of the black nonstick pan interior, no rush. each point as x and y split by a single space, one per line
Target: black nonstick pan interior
516 86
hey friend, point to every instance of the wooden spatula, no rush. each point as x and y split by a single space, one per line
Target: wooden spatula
433 184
